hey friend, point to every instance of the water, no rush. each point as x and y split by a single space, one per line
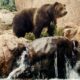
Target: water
22 67
71 73
74 72
55 65
68 67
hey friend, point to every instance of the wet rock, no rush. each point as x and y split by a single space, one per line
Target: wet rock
44 45
42 58
47 58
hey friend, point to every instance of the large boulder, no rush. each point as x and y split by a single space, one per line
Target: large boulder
10 31
10 48
6 18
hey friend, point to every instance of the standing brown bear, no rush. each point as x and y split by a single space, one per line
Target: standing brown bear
34 20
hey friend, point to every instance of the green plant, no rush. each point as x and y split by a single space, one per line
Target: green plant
58 32
44 33
8 7
30 36
8 4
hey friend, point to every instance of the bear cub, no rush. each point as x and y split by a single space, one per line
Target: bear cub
34 20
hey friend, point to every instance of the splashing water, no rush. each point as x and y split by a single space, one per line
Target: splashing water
22 67
74 72
55 65
71 73
68 67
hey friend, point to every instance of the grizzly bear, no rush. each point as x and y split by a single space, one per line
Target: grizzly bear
34 20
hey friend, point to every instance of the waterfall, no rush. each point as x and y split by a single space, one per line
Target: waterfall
55 65
70 73
22 67
74 72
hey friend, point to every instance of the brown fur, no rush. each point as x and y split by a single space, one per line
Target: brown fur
34 20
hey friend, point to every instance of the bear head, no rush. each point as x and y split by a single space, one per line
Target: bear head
59 9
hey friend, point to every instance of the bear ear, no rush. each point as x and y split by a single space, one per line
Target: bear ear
56 3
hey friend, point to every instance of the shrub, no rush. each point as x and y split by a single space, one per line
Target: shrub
30 36
7 4
59 32
56 32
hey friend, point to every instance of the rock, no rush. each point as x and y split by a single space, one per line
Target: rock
44 51
70 30
41 55
77 35
47 45
6 17
44 55
4 11
10 31
10 48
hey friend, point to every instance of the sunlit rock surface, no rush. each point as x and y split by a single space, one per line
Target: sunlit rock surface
6 17
10 48
72 31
